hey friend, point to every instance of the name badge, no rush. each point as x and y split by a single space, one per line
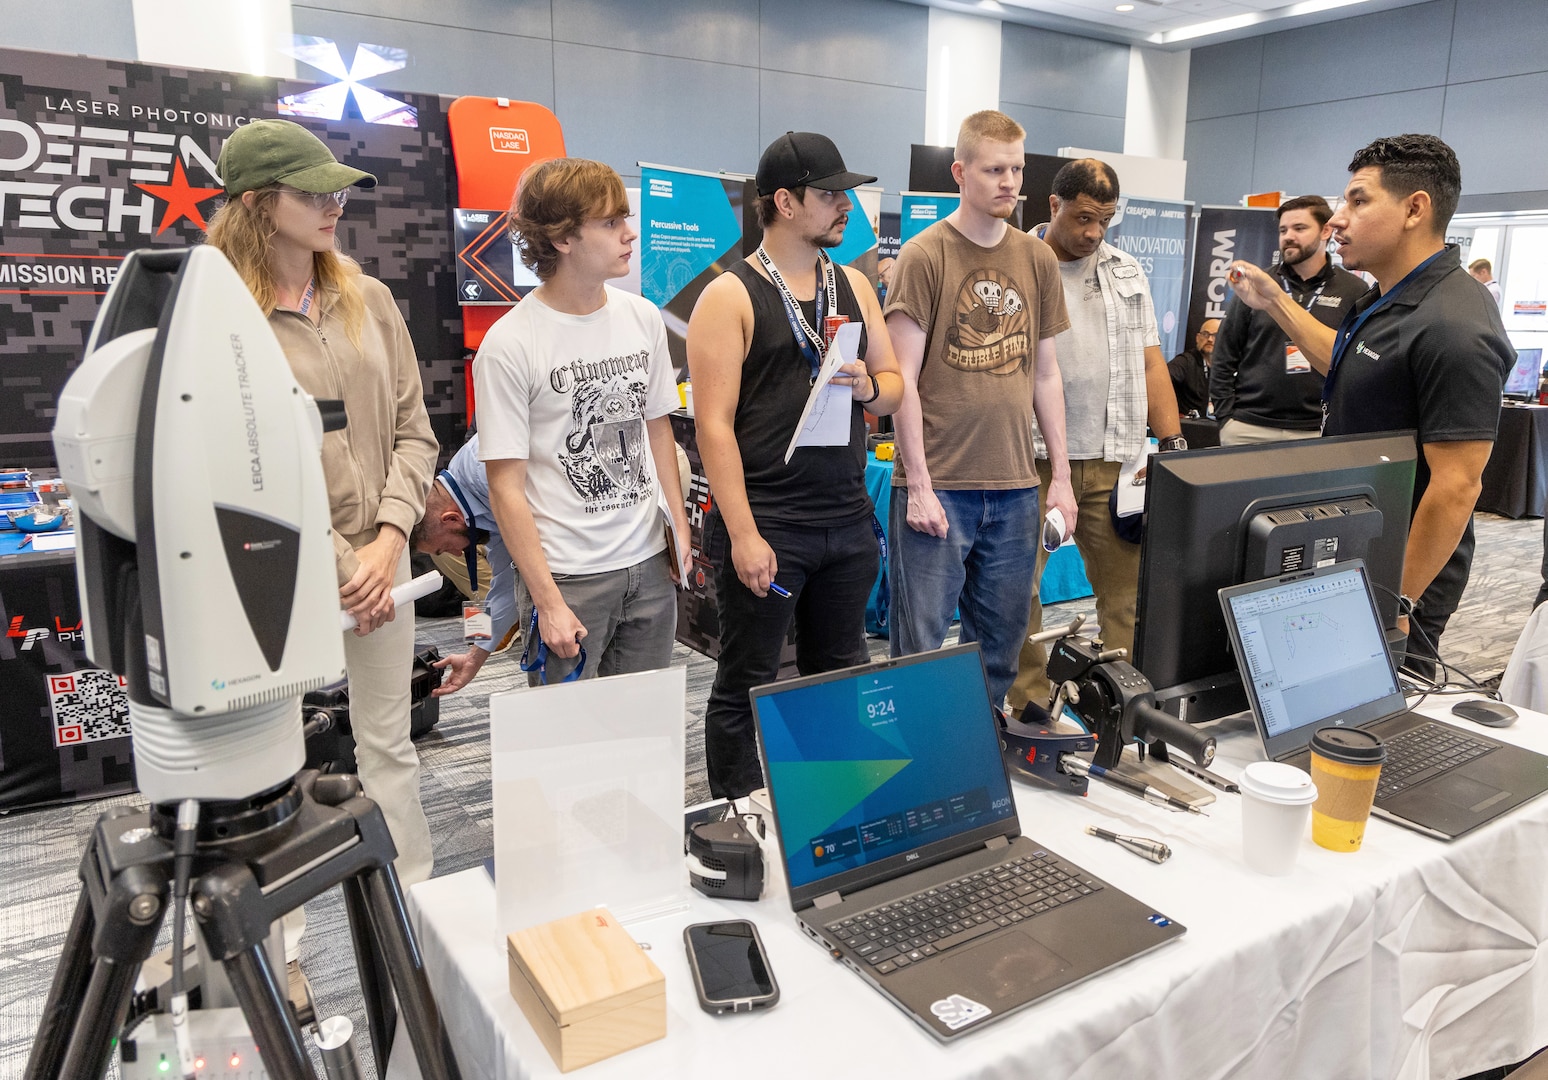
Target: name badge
477 623
1329 301
1295 362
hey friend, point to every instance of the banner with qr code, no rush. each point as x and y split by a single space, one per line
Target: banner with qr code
88 705
64 725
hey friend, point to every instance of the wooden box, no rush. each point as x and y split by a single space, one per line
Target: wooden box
586 987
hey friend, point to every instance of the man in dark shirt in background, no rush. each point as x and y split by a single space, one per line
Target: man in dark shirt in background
1262 384
1423 350
1190 371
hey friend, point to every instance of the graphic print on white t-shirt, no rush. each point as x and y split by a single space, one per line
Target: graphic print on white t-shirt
606 454
571 395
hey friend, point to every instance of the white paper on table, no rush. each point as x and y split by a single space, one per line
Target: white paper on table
825 420
53 541
1131 492
677 543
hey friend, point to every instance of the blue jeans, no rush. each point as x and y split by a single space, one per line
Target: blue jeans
984 568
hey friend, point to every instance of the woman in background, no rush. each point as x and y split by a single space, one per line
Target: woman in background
345 340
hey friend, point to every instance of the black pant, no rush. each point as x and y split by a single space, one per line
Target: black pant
829 574
1437 605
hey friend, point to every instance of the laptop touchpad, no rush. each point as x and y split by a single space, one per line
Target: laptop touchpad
1464 792
1001 968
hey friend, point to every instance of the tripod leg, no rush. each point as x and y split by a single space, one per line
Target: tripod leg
103 1008
268 1014
64 996
375 981
423 1020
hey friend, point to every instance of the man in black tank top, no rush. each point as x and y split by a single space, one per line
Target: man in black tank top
792 540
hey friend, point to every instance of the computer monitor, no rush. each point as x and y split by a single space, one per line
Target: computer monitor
1523 379
1220 517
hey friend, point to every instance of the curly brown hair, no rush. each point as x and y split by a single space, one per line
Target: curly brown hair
554 199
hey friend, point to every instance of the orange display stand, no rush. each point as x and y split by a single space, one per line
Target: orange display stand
493 141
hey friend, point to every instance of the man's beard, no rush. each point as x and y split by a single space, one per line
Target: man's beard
1305 253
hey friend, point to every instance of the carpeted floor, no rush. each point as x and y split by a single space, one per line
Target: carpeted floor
40 849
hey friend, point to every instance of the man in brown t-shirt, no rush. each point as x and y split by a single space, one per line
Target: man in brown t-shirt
972 313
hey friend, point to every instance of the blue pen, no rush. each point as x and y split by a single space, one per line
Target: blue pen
779 590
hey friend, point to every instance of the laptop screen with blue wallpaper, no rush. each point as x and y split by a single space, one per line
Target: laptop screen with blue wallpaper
872 763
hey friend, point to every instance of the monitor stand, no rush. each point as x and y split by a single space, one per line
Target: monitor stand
1204 700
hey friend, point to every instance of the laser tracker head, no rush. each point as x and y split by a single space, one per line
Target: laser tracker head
204 549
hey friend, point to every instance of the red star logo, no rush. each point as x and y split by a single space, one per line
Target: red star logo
182 201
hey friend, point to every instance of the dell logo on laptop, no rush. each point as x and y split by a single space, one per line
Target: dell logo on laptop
912 856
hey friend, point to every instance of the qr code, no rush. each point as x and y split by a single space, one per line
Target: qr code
88 705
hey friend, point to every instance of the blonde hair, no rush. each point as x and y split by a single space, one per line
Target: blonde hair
990 125
242 234
554 199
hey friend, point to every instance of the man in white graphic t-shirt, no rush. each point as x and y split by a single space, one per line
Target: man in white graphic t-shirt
573 388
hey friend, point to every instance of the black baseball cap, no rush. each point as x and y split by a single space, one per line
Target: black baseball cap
805 159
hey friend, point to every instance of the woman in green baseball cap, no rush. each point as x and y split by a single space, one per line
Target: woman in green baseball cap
345 340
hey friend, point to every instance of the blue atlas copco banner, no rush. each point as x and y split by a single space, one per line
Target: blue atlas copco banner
922 209
690 232
1155 231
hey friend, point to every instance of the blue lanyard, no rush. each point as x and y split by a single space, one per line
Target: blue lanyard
883 585
1352 324
540 664
470 553
810 341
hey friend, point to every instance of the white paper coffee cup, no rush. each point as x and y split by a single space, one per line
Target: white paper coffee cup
1276 809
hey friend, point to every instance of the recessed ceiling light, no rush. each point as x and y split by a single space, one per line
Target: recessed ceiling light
1124 7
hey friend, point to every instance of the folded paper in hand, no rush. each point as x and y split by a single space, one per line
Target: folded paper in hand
1131 486
825 421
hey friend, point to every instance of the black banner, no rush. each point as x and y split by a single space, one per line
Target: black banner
64 725
1223 235
101 157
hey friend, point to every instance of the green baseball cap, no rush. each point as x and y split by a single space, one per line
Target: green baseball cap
265 152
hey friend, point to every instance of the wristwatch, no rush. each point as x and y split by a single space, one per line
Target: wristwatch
875 391
1173 442
1406 606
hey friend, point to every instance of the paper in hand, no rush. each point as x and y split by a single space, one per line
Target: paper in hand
825 420
1131 486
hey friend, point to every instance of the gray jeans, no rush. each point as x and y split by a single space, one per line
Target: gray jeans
630 617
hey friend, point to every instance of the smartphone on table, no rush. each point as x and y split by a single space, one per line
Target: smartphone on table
731 972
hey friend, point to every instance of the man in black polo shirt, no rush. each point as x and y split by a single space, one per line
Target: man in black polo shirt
1262 385
1425 350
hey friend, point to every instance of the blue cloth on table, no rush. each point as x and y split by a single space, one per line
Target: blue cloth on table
1064 575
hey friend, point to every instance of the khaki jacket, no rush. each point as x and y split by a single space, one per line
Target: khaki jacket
380 466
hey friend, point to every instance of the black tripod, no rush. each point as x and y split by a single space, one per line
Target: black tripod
256 860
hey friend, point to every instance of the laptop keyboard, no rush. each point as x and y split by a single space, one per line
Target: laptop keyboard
929 922
1423 752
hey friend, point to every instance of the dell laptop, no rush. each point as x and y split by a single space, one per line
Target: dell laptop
1311 654
904 854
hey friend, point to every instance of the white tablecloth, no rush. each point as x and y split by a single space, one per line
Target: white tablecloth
1411 958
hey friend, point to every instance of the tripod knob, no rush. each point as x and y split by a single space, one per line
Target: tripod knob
335 1038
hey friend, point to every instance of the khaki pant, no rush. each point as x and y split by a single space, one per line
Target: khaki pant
1112 566
380 666
1240 433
